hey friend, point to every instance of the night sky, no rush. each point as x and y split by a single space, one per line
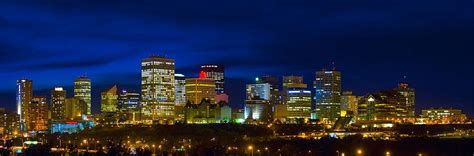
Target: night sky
374 43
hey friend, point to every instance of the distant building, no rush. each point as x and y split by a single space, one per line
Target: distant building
443 116
349 103
73 108
378 106
38 114
328 94
280 112
180 89
198 89
258 110
9 123
298 104
128 100
215 72
58 100
258 91
407 100
23 99
275 95
109 100
222 98
82 91
158 89
206 112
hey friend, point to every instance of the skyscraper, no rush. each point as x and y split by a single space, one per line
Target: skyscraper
349 103
259 91
73 108
23 100
158 92
407 100
82 91
215 72
109 100
180 89
198 89
298 104
275 95
128 100
38 114
328 94
58 99
292 82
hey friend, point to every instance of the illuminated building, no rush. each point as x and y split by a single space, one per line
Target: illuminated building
82 91
222 99
280 112
198 89
9 122
38 114
215 72
207 112
180 89
349 103
293 82
258 91
109 100
70 126
407 100
298 104
58 99
443 116
275 95
378 106
23 100
158 92
128 100
328 94
73 108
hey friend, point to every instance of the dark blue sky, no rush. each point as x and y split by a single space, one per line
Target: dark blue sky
373 42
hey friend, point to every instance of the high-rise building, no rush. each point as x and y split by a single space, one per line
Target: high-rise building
38 114
198 89
292 82
180 89
275 95
58 99
73 108
407 99
23 100
349 103
9 122
158 92
328 94
128 100
82 91
109 100
215 72
378 106
299 104
259 91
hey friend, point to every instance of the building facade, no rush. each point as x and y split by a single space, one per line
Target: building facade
198 89
275 94
82 91
58 100
128 100
73 108
349 104
443 116
258 91
109 100
215 72
38 114
407 99
9 123
180 89
328 95
298 104
23 99
158 92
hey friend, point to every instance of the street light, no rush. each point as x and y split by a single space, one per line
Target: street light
251 150
387 153
359 152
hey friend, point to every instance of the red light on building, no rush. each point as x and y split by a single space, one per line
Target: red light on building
202 74
71 122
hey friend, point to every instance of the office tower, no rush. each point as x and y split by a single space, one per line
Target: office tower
109 100
348 103
9 122
407 99
38 114
82 91
180 89
198 89
258 91
275 95
328 94
443 116
378 106
215 72
299 104
158 92
58 99
291 82
23 100
128 100
73 108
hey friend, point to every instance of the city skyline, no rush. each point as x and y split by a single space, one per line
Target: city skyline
370 50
